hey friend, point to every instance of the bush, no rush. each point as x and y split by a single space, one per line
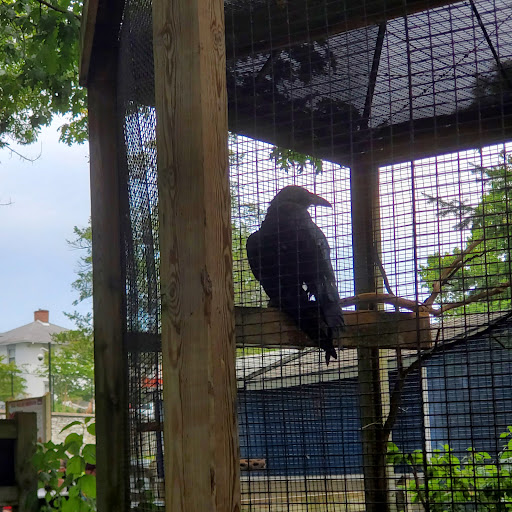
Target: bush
442 482
62 472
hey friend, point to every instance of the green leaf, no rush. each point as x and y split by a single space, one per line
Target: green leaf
75 466
72 424
74 504
73 443
89 453
87 485
92 429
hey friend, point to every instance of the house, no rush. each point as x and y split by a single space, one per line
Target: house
26 346
303 417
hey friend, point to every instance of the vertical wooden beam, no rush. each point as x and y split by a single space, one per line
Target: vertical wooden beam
26 473
108 298
364 188
198 349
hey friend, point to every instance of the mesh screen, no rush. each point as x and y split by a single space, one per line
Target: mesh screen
319 90
141 255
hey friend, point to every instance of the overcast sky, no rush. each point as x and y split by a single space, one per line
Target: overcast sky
48 197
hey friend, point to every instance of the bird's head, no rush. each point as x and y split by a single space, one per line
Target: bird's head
299 196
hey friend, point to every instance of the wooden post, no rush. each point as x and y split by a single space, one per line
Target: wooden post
26 473
110 361
198 348
364 187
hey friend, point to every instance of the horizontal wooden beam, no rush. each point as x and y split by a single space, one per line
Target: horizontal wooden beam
474 127
267 26
8 429
269 327
9 495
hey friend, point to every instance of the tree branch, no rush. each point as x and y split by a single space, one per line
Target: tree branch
379 264
474 298
396 395
393 300
448 272
58 9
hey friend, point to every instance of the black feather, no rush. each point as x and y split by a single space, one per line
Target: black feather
290 256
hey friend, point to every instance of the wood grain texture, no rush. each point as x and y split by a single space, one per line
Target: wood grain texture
364 189
110 361
378 329
26 473
8 429
195 240
87 28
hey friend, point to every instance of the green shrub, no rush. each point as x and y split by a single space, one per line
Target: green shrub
61 472
442 482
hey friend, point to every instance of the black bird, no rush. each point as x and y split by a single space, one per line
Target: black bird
289 256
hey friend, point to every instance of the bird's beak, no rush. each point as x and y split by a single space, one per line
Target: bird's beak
319 201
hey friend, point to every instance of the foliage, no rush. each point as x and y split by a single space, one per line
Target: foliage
443 482
83 242
11 383
489 264
286 158
245 218
39 48
72 366
73 351
69 488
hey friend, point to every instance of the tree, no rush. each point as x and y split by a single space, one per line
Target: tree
12 384
39 49
488 263
73 351
73 366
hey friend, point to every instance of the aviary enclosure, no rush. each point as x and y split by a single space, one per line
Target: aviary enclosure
399 114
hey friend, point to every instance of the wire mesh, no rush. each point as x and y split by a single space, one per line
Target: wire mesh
139 195
420 100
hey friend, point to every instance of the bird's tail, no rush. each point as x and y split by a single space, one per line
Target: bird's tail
327 345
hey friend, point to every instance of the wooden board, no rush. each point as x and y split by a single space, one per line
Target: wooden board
26 473
270 327
108 299
198 345
89 11
281 23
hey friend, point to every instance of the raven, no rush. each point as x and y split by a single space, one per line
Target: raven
289 256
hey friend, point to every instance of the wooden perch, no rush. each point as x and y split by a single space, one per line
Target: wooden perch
271 328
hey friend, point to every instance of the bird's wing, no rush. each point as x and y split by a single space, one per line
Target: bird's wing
317 271
253 247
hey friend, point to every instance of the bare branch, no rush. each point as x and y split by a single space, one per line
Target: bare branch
393 300
58 9
384 298
448 272
21 155
379 264
474 298
396 395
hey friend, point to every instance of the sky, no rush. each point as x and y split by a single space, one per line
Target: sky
40 203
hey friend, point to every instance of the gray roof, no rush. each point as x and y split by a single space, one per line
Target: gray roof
34 332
